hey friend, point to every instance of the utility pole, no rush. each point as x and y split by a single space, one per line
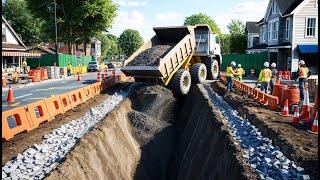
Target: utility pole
56 29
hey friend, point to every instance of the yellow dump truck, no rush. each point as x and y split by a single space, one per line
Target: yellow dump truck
177 56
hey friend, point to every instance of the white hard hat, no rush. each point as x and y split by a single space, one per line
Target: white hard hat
233 63
302 62
266 64
239 65
273 65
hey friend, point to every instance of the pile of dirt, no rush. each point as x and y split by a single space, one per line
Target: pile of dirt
294 141
151 56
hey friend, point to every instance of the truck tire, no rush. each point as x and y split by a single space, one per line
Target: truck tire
198 73
212 68
181 82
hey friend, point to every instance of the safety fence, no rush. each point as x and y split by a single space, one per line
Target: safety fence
30 116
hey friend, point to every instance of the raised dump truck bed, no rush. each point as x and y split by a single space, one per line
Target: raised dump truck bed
163 54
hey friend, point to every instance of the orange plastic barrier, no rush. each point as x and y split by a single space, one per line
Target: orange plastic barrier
82 95
35 75
65 101
38 113
23 124
87 92
292 93
273 102
94 89
74 97
54 106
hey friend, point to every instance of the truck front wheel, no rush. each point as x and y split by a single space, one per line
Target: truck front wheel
181 82
212 68
198 73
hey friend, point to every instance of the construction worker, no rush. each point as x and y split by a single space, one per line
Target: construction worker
24 66
239 73
69 69
303 72
265 77
230 75
274 76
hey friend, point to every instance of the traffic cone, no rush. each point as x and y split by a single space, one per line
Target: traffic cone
285 111
10 97
277 81
106 74
305 112
98 76
314 128
296 119
4 81
78 79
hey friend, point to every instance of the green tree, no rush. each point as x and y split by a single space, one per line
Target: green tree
238 38
78 20
201 18
129 41
225 45
109 45
22 20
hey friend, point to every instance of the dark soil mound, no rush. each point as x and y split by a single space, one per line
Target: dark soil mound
151 56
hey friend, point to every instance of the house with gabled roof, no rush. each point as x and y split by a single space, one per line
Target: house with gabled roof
289 32
253 44
13 48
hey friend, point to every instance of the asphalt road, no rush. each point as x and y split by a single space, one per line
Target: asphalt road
29 94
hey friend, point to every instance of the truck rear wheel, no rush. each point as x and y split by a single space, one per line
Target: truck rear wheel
198 73
181 82
212 68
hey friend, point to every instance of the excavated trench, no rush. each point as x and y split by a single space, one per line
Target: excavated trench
152 135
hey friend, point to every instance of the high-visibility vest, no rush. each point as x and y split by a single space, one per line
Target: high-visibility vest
240 72
265 75
69 66
303 72
229 71
24 63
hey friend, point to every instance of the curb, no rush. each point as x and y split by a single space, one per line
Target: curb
35 83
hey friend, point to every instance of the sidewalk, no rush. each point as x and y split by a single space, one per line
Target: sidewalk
15 86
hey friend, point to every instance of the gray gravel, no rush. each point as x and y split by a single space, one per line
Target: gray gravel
258 151
38 161
151 56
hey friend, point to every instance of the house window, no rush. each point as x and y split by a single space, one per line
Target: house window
273 7
264 35
287 28
275 27
4 39
311 27
269 30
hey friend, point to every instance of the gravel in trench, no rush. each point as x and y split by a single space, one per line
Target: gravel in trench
38 161
258 151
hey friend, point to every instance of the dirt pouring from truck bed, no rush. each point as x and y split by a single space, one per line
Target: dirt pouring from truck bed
151 56
153 135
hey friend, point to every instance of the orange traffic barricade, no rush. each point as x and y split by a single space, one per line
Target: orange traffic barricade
54 106
22 122
65 101
74 98
38 113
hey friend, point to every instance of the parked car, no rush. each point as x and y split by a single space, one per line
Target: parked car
109 65
93 66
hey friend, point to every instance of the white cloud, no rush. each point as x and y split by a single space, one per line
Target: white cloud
131 3
168 16
252 10
131 20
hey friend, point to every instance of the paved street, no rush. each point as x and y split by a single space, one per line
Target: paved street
28 94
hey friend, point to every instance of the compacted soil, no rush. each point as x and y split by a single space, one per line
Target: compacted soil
294 141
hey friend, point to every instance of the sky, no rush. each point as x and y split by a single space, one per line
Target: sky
142 15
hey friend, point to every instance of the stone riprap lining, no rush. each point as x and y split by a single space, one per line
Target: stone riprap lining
38 161
259 153
151 56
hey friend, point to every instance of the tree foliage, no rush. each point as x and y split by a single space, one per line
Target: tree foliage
225 45
78 20
238 38
109 45
129 41
22 20
201 18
